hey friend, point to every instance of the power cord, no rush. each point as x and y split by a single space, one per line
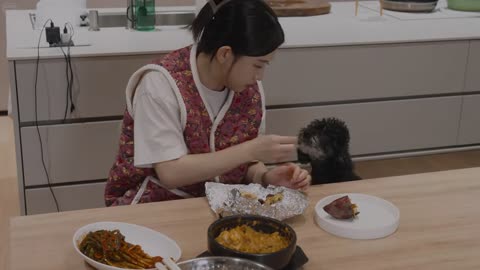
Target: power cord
67 75
72 30
68 69
36 116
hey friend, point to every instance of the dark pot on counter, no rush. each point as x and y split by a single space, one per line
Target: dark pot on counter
276 260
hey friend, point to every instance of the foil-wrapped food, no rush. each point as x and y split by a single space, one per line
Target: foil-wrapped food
273 201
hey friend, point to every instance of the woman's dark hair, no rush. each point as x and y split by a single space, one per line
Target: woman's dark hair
249 27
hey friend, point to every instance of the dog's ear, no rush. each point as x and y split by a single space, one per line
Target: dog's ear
338 133
341 129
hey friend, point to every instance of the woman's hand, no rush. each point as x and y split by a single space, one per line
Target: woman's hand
272 148
288 175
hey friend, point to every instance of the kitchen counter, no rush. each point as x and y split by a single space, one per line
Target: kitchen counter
405 84
339 28
439 219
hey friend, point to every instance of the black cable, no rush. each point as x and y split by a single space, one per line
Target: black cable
68 84
36 116
72 30
72 105
68 71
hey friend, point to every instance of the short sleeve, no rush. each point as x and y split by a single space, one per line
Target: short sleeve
158 132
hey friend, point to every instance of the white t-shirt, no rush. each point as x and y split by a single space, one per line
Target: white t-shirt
157 118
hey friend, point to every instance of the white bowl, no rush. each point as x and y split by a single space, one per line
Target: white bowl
152 242
377 218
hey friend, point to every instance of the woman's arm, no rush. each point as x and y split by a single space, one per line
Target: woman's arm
194 168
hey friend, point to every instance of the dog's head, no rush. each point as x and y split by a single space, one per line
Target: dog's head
323 139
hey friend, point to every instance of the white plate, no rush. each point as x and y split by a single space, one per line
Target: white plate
152 242
377 218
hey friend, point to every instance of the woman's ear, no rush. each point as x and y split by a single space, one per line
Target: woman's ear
225 55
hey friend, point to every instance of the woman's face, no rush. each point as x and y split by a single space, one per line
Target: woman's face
244 71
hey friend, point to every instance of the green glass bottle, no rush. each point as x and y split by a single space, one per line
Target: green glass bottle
145 15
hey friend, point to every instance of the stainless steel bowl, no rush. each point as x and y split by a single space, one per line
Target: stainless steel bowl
221 263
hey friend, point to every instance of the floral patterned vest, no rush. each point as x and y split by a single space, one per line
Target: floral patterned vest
237 122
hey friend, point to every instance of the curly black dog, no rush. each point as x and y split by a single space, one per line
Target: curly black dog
325 145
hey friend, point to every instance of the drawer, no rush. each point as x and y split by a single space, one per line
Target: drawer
380 127
472 82
470 124
74 152
365 72
75 197
99 86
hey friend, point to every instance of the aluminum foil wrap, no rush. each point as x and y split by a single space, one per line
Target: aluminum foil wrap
274 202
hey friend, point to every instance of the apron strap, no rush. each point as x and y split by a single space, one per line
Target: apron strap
143 187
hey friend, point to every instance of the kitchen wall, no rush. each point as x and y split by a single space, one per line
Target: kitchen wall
30 4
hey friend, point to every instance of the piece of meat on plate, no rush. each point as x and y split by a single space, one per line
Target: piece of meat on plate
342 208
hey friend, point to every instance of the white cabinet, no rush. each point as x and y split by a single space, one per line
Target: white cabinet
99 86
395 98
74 152
472 82
74 197
470 123
381 127
323 74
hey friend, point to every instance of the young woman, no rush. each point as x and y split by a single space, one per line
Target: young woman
198 113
